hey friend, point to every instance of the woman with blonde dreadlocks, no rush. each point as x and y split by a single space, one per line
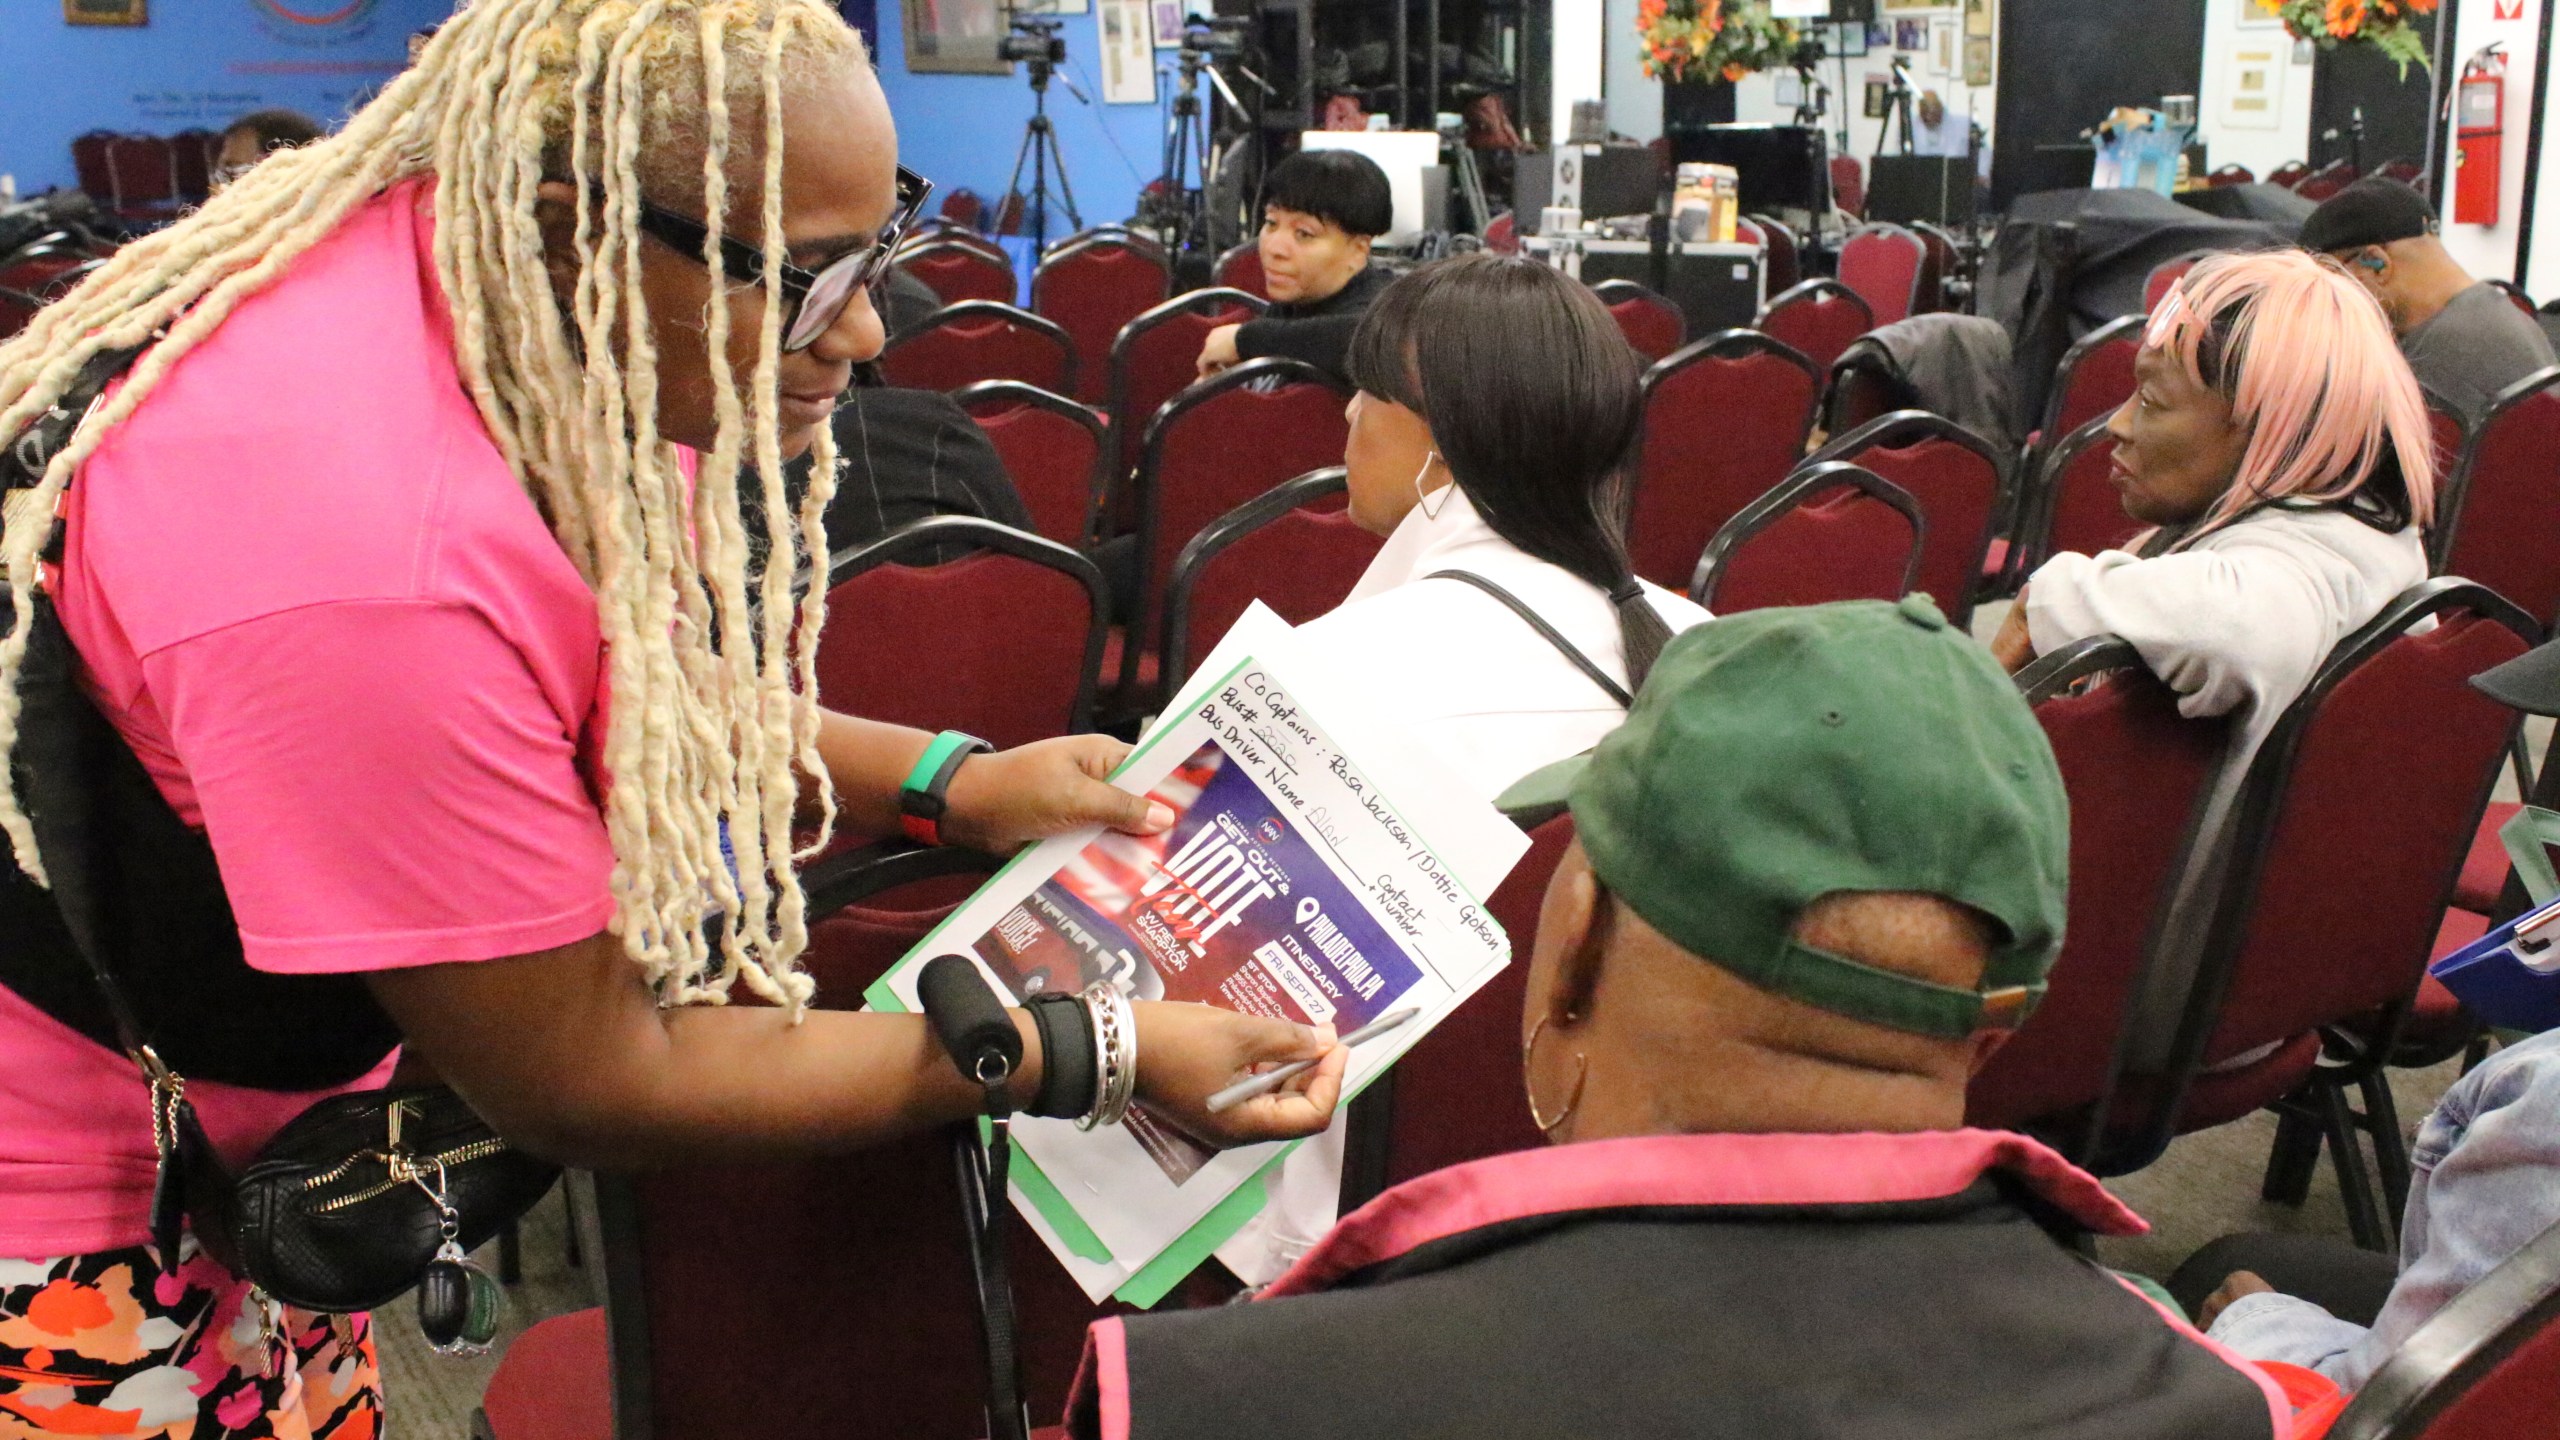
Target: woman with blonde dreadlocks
463 671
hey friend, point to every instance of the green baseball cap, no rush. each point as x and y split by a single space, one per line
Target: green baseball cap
1778 756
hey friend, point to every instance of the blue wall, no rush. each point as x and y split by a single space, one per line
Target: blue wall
197 64
963 130
206 62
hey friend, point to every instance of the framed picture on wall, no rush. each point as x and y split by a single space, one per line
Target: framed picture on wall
1917 4
1980 18
106 12
954 37
2255 99
1128 53
1911 35
1977 60
1849 38
1942 48
1168 15
2253 16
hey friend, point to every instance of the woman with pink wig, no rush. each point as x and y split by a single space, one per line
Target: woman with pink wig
2278 445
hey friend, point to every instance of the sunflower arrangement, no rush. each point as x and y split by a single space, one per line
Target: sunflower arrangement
1710 39
2382 24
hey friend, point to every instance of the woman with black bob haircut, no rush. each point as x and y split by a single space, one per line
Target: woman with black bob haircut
1322 210
1492 440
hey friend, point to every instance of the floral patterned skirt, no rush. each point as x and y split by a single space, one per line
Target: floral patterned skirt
105 1345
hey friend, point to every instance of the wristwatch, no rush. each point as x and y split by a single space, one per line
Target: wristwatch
922 799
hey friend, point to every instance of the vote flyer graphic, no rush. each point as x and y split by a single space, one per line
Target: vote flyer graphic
1232 907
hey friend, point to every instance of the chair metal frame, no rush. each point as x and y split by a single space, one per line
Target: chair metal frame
2260 805
2048 424
2448 476
1172 649
1900 429
1614 293
2454 1348
1142 479
1218 268
923 537
1797 490
968 311
1769 228
1023 393
2031 536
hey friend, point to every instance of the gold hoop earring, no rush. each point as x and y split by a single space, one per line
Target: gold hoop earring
1573 1102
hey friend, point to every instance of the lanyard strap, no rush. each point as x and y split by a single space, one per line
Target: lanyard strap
1549 633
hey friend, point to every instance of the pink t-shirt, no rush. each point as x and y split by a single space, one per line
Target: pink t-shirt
317 603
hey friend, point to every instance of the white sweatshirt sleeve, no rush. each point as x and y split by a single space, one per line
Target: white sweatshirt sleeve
2221 626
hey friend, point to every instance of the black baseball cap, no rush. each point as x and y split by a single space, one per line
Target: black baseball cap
2369 212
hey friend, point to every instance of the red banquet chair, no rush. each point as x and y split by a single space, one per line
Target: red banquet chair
1832 532
678 1292
1093 284
89 163
2094 379
555 1382
144 171
2290 174
964 207
2514 293
1888 267
1294 548
2164 277
2326 181
2231 175
1219 444
1651 323
192 156
2482 1368
978 340
1817 319
1849 184
1457 1095
1946 267
2407 172
1958 480
1784 268
1052 447
2135 771
1003 643
2074 504
957 271
2496 525
1725 418
2452 435
34 280
2293 948
1241 269
1156 356
1502 234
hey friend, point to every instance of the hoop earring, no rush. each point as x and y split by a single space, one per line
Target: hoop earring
1424 501
1573 1102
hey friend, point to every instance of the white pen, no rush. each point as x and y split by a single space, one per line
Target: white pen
1270 1080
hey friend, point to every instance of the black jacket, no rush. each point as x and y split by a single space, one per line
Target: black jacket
1318 332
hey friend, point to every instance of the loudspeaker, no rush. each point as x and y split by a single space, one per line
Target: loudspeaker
1935 188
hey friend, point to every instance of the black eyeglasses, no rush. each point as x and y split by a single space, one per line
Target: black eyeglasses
812 300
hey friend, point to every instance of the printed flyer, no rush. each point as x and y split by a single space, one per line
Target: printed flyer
1300 880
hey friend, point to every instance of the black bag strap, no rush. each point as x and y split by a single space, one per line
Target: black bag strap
1549 633
970 1021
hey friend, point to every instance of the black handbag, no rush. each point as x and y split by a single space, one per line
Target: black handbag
360 1197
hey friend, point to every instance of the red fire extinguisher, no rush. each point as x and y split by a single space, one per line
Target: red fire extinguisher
2480 122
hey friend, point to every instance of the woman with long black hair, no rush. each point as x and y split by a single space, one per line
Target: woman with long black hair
1492 441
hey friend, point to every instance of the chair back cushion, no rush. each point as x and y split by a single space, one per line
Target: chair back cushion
1849 184
2509 498
2391 774
1840 544
1456 1095
2134 770
1785 268
2085 510
1207 458
991 644
961 272
1958 489
983 342
1301 564
2164 278
1092 288
1652 324
2096 379
1722 425
1053 460
1883 263
1157 357
1818 323
1241 269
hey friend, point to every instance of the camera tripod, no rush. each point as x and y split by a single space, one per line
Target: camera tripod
1040 151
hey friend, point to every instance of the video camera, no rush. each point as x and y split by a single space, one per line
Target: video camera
1219 38
1034 41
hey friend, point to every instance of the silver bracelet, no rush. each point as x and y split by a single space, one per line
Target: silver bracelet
1115 1054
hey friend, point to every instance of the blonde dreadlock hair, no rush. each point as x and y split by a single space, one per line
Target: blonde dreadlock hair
714 714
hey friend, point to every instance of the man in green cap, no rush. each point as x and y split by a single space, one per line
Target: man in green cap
1819 875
